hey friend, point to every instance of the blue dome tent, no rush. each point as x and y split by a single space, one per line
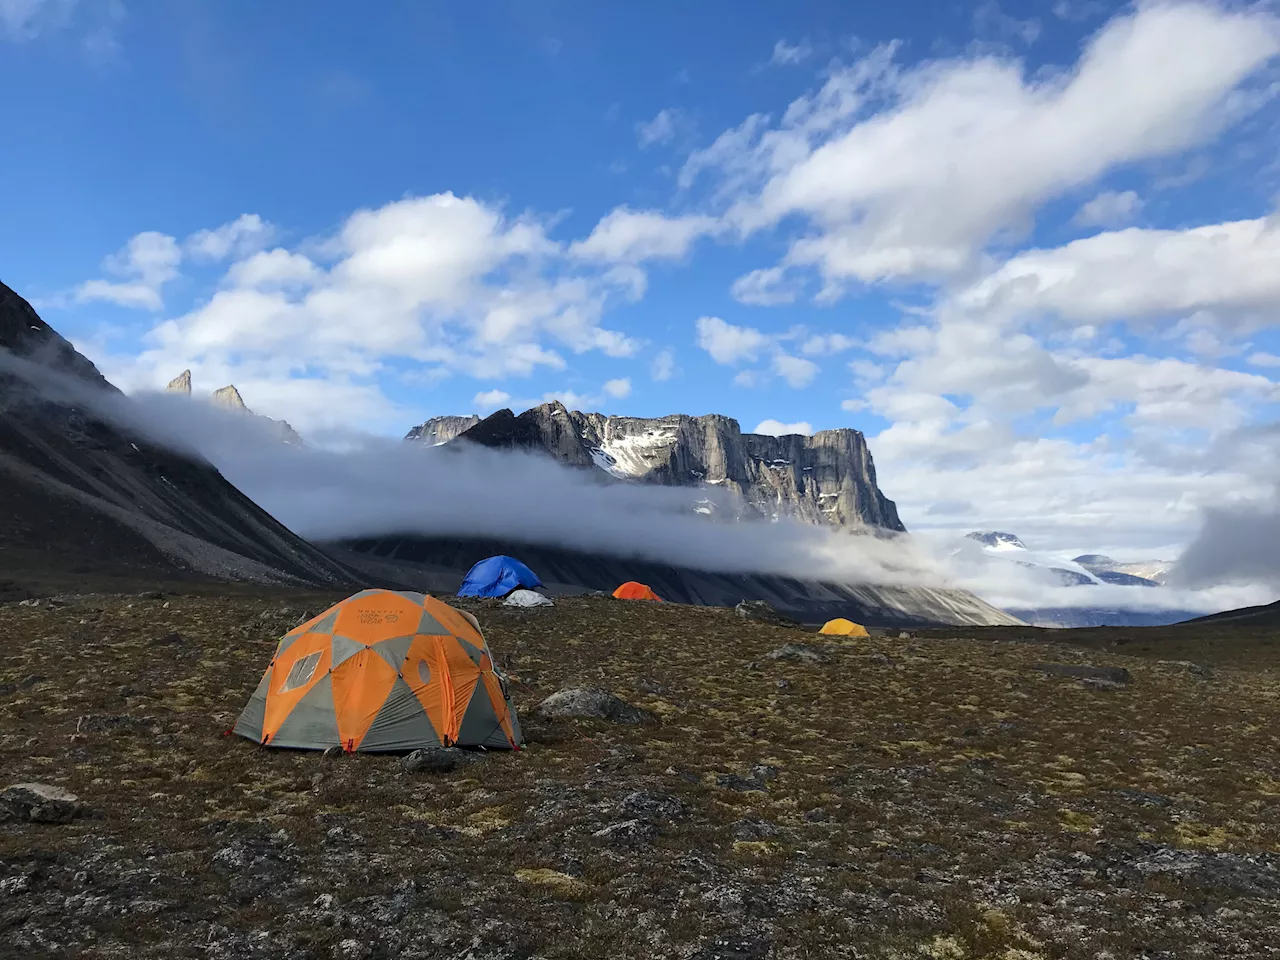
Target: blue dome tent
496 577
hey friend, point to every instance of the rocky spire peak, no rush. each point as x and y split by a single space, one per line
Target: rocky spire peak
181 383
229 397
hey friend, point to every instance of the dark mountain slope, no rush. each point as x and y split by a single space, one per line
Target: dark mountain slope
1265 616
82 495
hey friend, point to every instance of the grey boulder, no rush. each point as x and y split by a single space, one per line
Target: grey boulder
435 760
40 803
590 703
761 611
798 651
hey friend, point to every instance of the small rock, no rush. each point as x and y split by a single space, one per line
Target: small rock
1194 669
113 723
40 803
761 611
351 949
1144 799
903 635
151 595
628 832
332 753
731 781
323 902
342 835
1117 676
1093 683
754 830
782 684
643 803
798 651
169 640
593 704
29 603
652 687
882 660
12 886
435 760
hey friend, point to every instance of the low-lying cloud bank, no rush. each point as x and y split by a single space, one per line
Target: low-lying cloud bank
1237 545
357 485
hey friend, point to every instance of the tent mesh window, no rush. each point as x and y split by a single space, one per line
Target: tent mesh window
301 673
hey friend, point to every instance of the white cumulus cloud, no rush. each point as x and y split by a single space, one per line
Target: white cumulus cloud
145 264
729 344
776 428
1109 209
968 149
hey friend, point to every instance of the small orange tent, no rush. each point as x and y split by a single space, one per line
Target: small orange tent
842 627
382 670
635 591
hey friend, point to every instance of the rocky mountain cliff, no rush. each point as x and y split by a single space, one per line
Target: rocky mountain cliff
85 495
229 398
828 478
440 430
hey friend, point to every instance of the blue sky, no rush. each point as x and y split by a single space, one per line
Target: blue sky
1023 246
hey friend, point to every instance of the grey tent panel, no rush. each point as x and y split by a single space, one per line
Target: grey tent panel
344 649
480 725
401 723
254 715
312 723
325 625
393 651
472 650
432 627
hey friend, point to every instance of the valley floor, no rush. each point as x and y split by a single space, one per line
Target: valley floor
930 797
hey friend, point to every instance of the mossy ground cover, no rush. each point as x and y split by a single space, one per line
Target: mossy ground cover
931 797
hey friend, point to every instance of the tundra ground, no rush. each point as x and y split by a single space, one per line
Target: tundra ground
933 797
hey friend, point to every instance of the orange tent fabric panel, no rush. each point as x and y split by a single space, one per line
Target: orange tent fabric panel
635 591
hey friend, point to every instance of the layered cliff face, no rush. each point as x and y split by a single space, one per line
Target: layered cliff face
828 478
229 398
440 430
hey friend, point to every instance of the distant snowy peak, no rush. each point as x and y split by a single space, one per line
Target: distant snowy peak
997 540
1091 569
1150 572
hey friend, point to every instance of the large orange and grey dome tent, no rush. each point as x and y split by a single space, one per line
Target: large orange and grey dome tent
382 671
635 591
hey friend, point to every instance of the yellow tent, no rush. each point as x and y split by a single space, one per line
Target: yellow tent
845 628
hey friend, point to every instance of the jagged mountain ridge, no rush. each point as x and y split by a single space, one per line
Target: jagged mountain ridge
81 495
827 478
229 398
439 430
